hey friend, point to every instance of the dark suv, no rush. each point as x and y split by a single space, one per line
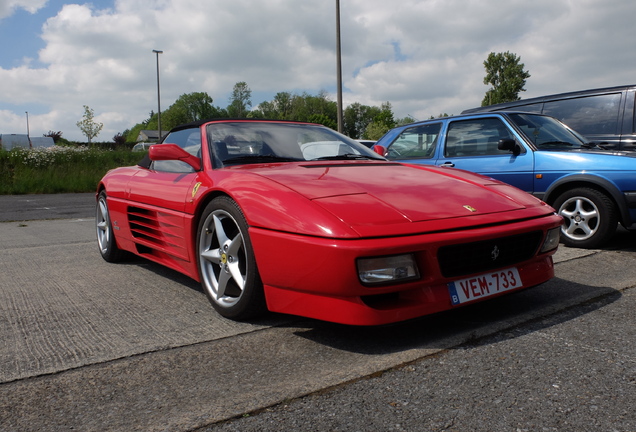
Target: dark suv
605 116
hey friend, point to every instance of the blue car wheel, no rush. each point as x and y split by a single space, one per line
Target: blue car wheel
590 217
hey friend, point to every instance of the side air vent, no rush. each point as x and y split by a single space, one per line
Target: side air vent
155 231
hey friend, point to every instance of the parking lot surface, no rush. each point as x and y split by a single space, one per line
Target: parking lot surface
573 371
87 345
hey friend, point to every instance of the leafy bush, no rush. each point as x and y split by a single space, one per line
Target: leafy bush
58 169
119 140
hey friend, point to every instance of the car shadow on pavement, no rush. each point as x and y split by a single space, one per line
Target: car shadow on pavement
445 330
623 240
180 279
542 306
160 270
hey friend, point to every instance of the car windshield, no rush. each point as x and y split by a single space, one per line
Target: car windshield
547 133
235 143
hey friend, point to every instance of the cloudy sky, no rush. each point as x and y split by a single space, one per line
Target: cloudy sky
425 57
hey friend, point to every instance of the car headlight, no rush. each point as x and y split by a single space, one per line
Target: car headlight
389 269
551 240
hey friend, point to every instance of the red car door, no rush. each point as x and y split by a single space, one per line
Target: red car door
157 200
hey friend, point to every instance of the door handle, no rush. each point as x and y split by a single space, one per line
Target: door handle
448 164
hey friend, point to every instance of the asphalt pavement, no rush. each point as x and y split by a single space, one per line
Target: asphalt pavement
571 371
91 346
46 206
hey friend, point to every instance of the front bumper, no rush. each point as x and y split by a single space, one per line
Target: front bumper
317 277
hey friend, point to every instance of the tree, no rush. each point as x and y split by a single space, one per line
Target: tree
283 104
374 131
321 105
240 100
277 109
440 115
382 122
188 108
133 133
385 116
57 136
305 107
265 110
119 139
357 117
88 126
323 120
506 75
406 120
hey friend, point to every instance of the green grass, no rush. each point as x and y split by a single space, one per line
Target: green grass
58 169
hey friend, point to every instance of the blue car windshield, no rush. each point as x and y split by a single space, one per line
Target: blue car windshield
547 133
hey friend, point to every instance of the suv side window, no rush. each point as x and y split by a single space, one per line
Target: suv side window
418 142
478 137
187 139
596 114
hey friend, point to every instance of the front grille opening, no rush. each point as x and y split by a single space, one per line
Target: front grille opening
467 258
382 301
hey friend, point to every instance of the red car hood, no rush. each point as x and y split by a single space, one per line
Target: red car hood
391 193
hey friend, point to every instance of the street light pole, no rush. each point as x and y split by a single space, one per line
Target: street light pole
157 52
339 66
28 132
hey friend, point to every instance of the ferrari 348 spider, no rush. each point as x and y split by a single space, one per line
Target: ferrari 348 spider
298 219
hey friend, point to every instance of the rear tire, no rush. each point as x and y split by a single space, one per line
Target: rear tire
227 266
590 217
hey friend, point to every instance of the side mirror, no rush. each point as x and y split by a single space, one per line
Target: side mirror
160 152
510 145
381 150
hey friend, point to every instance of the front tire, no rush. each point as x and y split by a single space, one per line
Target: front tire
226 261
590 217
105 237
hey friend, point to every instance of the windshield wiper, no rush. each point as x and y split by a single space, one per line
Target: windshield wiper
346 156
593 146
258 159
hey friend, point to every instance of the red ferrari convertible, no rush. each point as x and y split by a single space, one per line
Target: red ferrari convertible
298 219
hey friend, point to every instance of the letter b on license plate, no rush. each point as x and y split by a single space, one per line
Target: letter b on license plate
478 287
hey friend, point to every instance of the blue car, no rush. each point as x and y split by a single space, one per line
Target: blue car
592 189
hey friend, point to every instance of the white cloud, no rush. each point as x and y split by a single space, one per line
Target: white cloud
423 56
8 7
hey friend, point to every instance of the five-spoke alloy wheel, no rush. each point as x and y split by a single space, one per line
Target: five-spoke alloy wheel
105 237
590 217
226 261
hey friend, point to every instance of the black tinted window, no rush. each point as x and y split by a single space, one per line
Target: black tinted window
587 115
